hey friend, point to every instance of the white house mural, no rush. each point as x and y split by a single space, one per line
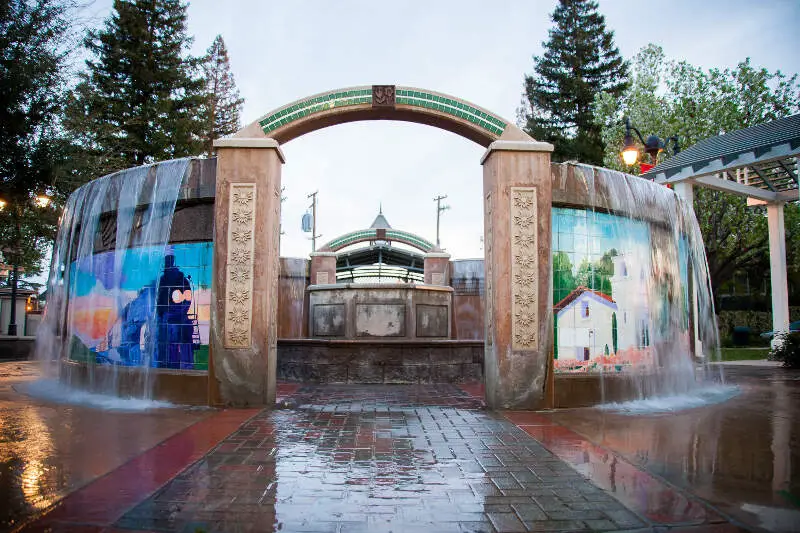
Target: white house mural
605 299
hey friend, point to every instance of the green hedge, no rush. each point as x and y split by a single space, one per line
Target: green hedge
757 321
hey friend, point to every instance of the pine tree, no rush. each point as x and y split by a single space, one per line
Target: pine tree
222 103
34 39
140 99
580 60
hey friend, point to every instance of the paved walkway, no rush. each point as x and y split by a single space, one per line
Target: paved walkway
378 458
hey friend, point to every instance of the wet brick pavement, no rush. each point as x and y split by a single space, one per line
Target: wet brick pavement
379 458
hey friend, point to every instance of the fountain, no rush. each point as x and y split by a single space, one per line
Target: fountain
595 287
633 312
134 319
129 284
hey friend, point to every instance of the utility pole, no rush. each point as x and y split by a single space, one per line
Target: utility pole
439 209
314 235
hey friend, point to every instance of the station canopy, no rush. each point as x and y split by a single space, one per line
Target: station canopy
379 260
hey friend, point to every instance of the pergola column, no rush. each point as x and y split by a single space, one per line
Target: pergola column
517 188
777 265
246 269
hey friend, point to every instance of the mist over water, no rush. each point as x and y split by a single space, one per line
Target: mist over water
702 396
57 392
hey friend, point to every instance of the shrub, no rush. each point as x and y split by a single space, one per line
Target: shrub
788 350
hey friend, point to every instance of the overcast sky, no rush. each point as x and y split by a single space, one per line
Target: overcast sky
281 51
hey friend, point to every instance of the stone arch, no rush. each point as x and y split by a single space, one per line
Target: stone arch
517 199
383 102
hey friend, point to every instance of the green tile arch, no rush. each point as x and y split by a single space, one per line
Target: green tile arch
350 238
363 95
315 104
394 234
451 106
391 234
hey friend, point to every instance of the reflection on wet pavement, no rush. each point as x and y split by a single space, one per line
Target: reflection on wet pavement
743 455
49 450
401 458
362 458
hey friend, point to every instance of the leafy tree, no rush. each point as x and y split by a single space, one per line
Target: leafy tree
563 278
141 97
579 60
222 102
34 42
597 275
668 97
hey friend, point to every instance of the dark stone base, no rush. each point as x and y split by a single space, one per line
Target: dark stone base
16 348
585 390
175 386
355 361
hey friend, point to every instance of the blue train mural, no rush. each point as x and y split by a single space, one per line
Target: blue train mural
145 306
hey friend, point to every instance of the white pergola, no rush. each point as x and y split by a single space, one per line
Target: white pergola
761 163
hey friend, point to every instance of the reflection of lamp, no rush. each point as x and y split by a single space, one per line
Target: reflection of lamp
652 146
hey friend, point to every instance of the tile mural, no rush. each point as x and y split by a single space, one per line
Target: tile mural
143 306
604 290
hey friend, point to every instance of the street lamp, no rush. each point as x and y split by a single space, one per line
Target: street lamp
652 146
14 252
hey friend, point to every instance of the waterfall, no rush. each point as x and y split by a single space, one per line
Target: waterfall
658 263
109 228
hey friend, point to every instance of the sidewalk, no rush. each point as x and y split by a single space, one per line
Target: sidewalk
378 458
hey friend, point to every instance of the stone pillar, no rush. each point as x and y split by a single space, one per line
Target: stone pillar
685 190
323 268
517 188
246 271
437 268
777 267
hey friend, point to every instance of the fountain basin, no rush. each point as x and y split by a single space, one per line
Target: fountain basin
187 387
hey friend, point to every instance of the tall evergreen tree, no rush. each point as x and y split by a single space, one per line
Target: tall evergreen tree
141 97
222 103
580 60
34 39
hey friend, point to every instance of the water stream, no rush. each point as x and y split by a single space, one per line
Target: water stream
658 263
130 214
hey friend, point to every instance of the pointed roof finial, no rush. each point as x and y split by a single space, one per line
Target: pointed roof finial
380 221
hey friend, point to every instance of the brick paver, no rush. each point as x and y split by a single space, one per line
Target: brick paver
380 458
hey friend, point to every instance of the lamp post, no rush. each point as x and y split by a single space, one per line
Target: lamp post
15 251
652 146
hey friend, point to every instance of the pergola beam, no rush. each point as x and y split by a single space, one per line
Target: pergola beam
764 178
725 163
737 188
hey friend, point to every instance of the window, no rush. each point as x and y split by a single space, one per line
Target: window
585 353
584 309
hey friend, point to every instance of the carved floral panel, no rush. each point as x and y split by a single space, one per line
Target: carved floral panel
524 269
239 267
